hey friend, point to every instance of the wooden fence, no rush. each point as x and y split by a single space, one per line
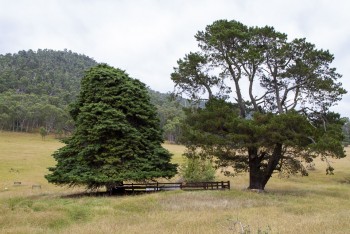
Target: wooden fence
154 187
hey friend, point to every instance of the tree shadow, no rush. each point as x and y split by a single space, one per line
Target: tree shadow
345 180
105 194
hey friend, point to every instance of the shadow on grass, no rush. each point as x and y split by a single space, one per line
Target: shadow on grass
105 194
345 180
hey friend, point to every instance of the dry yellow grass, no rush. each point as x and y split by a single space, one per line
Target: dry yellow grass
177 151
313 204
25 158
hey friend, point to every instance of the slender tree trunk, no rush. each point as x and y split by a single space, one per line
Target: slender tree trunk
210 93
273 162
277 93
252 99
240 99
235 78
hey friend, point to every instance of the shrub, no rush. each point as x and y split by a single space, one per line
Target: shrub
197 169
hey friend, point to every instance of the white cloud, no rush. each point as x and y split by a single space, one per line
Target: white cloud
146 37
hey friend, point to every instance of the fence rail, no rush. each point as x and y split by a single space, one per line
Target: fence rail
207 185
154 187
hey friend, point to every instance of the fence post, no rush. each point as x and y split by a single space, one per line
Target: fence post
228 183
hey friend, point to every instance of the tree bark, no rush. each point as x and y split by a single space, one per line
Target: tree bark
240 99
259 176
235 79
255 173
273 162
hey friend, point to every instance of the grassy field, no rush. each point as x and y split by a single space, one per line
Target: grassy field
313 204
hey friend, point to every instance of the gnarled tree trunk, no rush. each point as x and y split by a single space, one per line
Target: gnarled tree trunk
258 174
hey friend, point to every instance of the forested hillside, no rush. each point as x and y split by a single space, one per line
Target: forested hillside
170 113
36 88
44 72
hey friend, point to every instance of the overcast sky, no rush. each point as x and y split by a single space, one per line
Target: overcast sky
147 37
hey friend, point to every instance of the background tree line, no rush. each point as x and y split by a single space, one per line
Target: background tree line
36 88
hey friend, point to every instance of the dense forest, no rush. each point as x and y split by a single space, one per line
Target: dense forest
36 88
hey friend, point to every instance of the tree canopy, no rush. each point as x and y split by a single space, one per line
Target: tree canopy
281 91
117 135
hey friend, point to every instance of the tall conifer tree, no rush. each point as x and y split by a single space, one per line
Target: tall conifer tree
117 134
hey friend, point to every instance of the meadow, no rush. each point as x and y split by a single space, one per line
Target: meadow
318 203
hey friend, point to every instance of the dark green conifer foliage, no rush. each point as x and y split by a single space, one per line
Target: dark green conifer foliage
117 136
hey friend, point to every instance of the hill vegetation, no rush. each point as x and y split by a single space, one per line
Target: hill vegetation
36 88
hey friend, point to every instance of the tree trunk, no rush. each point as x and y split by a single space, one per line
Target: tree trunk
256 175
273 162
111 188
240 100
256 180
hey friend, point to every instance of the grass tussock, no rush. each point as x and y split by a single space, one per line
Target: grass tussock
313 204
